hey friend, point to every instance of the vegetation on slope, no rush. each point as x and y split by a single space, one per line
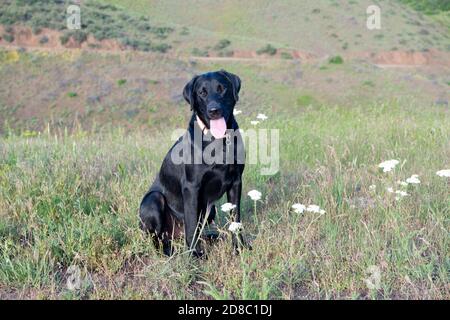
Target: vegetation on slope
103 21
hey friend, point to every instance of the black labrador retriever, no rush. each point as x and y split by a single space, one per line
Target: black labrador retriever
185 191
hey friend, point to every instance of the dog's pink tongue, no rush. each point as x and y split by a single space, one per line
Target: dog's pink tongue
218 127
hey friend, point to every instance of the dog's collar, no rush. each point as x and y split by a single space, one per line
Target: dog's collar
201 125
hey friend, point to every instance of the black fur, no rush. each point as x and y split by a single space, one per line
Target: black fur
185 192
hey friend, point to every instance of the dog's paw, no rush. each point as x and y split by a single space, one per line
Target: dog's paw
199 254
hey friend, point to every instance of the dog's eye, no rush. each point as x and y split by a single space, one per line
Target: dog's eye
219 89
203 93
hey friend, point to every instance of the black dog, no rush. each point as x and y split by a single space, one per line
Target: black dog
186 192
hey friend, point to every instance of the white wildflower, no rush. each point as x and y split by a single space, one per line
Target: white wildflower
235 227
388 165
414 179
254 122
255 195
261 116
227 207
236 112
401 193
314 208
444 173
298 207
372 187
390 189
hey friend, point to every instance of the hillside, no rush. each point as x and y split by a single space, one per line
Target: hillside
325 26
135 58
86 118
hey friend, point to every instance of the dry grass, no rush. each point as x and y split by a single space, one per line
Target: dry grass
72 200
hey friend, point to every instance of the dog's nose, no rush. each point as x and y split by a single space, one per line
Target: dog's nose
214 112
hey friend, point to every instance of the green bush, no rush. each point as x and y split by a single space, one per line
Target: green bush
79 36
268 49
286 55
305 100
64 38
429 6
160 47
8 37
103 21
72 94
121 82
222 44
336 60
43 40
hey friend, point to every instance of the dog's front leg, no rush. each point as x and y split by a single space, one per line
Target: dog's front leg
234 197
191 218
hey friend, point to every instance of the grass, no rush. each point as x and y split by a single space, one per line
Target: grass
336 60
267 49
429 6
121 82
102 21
72 199
69 193
252 16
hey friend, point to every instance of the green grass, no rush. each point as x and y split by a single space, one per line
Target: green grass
247 27
102 21
72 200
267 49
429 6
336 60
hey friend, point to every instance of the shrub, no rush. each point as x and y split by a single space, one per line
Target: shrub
429 6
305 100
184 31
161 47
222 44
286 55
64 38
8 37
369 83
268 49
72 94
336 60
43 40
161 32
79 36
121 82
199 52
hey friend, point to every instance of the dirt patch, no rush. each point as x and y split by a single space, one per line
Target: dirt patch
406 58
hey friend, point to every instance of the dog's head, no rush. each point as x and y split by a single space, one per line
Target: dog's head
212 97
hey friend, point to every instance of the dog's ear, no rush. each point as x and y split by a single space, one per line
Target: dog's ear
188 92
235 82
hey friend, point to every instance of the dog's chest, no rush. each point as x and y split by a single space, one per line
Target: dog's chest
217 181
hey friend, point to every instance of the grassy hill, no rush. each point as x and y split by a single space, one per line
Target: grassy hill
83 131
318 26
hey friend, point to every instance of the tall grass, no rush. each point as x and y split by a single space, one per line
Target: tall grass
72 200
